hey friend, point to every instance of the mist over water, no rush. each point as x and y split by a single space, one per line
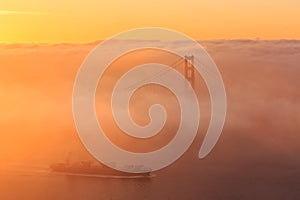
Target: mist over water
255 158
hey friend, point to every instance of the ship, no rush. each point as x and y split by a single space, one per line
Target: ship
88 168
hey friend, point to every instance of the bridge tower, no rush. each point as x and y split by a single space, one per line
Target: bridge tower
189 71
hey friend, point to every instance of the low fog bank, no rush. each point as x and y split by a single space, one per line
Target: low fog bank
261 129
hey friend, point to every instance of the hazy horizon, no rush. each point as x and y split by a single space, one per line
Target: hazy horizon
95 42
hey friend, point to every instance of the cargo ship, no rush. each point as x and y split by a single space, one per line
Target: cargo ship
87 168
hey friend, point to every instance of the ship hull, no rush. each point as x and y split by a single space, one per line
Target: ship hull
92 170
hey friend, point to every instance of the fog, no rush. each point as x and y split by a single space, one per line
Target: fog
261 80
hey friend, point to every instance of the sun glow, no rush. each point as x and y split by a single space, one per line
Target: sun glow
69 21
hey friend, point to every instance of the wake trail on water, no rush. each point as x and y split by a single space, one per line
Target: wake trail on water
30 169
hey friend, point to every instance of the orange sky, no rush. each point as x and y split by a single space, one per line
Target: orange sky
53 21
